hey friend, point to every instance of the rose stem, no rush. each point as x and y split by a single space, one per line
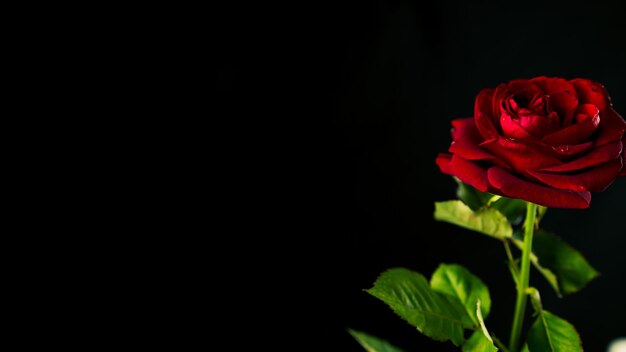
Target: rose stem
522 284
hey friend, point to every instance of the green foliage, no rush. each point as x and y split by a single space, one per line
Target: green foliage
436 315
456 299
372 343
472 197
456 281
480 341
565 268
572 270
488 221
550 333
513 209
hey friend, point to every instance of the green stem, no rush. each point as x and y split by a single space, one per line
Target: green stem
522 285
509 256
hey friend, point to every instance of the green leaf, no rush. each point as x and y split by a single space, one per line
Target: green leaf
566 270
456 281
373 344
571 269
472 197
513 209
434 314
550 333
480 341
486 220
547 273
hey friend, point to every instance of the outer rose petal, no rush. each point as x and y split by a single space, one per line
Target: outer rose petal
469 172
595 180
576 133
464 129
466 143
569 150
611 128
591 93
470 151
484 115
443 161
465 135
520 156
553 85
595 157
513 187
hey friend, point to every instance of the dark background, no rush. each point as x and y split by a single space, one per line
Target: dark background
368 90
387 78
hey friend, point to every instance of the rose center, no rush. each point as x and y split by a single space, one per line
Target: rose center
521 101
528 116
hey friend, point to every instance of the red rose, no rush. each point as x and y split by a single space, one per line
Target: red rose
546 140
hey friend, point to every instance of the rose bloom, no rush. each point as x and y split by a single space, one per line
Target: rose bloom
549 141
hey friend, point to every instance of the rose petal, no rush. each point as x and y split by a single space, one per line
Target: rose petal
565 182
469 151
595 157
465 129
520 156
565 105
512 129
539 126
561 94
443 161
576 133
595 180
553 85
469 172
513 187
466 140
590 92
506 91
538 104
483 114
611 129
585 112
569 150
563 153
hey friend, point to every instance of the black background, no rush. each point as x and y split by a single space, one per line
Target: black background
369 89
